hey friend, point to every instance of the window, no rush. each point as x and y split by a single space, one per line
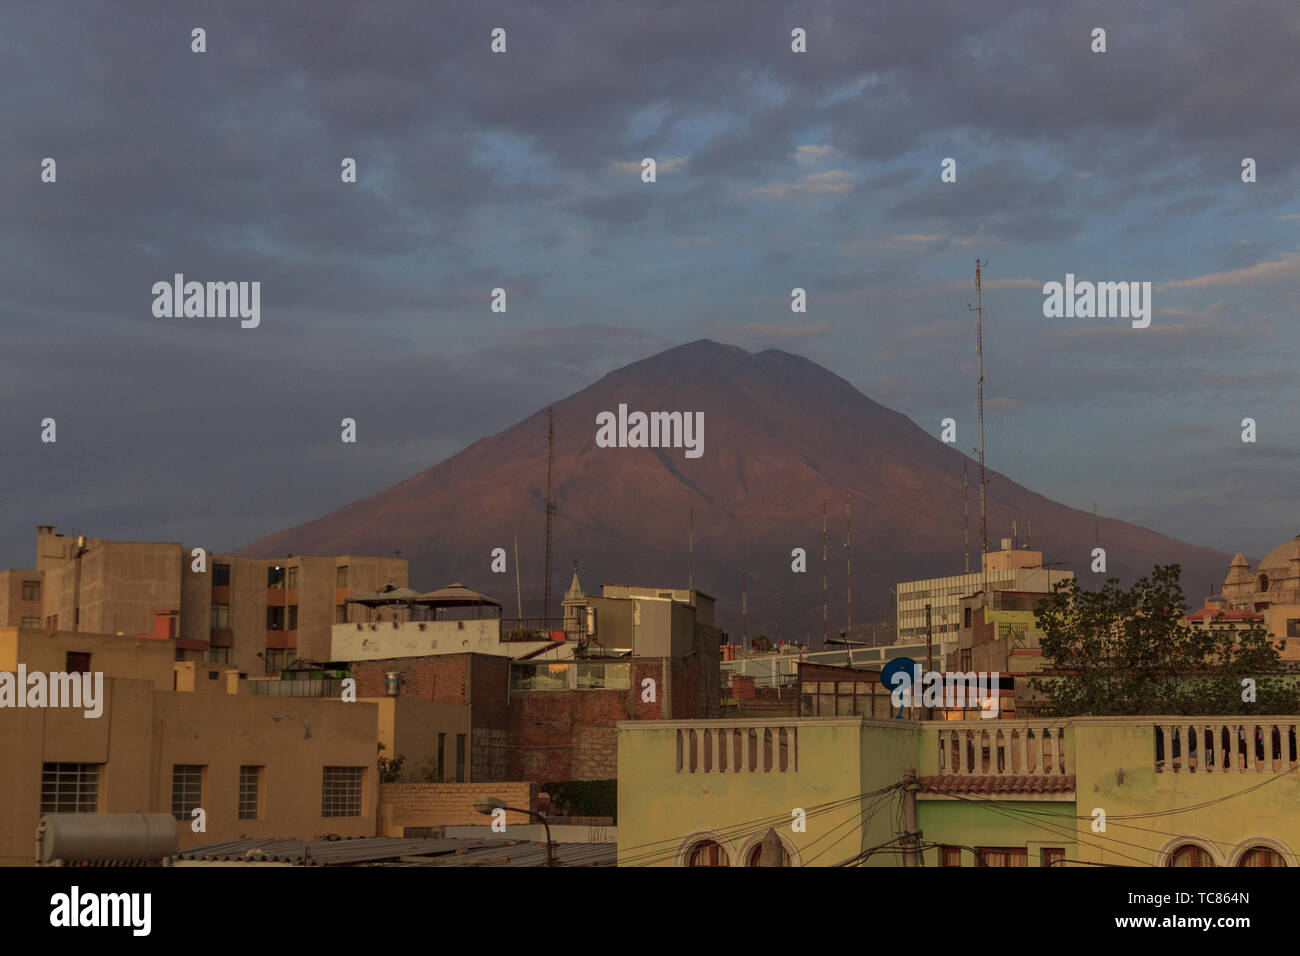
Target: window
442 742
31 622
221 617
1262 856
275 577
221 575
218 655
250 779
275 617
293 617
1189 854
1001 856
341 791
965 660
1292 627
293 577
340 614
70 788
31 590
968 610
950 855
278 658
1053 856
707 853
756 855
187 789
77 662
460 758
1263 582
214 675
342 580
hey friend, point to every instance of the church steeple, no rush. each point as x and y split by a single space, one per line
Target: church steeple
574 594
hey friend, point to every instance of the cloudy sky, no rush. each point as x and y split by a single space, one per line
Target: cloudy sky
521 170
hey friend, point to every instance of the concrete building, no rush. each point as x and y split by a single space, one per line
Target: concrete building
1012 568
546 711
175 736
257 614
992 793
1270 589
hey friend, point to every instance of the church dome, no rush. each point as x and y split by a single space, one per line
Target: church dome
1281 556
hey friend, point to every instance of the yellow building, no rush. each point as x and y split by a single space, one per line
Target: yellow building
267 766
1132 791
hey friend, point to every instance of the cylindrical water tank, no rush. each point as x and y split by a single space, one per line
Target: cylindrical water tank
105 836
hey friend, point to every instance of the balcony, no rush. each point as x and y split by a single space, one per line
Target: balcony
1005 748
1225 746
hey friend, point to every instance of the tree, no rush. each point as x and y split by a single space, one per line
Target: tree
1120 652
390 771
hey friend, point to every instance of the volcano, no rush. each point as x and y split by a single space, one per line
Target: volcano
782 438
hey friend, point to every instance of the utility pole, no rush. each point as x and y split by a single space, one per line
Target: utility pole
911 836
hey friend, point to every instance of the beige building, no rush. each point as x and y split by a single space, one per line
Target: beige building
257 614
257 766
1270 589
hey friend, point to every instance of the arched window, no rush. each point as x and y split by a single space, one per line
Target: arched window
1261 856
707 853
1189 854
1263 582
757 852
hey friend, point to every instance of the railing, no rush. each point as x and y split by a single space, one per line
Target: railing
1005 748
530 628
1226 746
330 687
753 748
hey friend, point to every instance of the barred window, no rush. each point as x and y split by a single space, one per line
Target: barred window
69 788
250 779
221 616
187 789
341 791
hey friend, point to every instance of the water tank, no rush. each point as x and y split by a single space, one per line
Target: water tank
393 683
105 836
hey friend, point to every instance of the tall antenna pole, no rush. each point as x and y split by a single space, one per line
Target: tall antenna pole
826 600
519 597
965 513
690 565
979 351
744 608
848 550
550 509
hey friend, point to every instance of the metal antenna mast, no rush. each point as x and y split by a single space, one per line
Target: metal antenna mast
848 549
550 509
978 309
690 567
826 601
965 513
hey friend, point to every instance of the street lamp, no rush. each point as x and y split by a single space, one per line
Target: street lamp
490 805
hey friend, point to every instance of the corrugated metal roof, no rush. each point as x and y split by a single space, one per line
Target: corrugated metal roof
440 852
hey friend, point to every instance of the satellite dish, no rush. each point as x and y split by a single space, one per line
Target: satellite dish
898 665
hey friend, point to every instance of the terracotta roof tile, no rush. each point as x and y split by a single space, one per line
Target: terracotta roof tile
998 783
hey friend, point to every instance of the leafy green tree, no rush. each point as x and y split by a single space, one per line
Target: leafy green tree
1120 652
390 770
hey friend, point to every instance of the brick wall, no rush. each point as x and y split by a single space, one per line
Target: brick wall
438 677
404 805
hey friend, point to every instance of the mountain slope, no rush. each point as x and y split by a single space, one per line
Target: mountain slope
781 435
